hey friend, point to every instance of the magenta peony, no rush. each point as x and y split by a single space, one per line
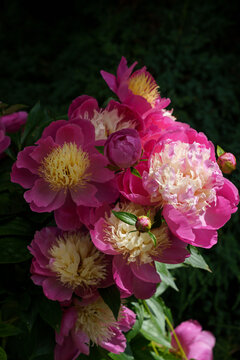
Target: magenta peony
64 170
184 178
4 140
91 320
135 252
139 90
67 262
106 121
14 121
123 148
196 343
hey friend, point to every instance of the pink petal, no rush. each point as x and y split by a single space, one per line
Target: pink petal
23 177
110 80
98 235
26 161
41 194
85 196
143 290
145 272
82 341
51 129
69 133
116 344
66 216
67 351
45 146
54 290
123 275
98 170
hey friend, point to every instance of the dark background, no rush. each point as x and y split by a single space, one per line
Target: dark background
53 52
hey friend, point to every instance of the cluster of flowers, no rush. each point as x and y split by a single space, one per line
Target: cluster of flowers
128 185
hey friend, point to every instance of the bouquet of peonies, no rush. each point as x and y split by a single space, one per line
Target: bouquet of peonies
131 189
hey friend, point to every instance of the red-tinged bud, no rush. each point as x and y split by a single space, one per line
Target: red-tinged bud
143 223
227 163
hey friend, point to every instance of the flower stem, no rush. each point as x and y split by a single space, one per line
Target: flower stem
176 338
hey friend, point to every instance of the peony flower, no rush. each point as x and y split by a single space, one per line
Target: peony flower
227 163
67 262
14 121
135 252
64 170
123 148
106 121
4 140
184 178
92 320
139 90
196 343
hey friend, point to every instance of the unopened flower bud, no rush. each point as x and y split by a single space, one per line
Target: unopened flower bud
143 223
123 148
227 163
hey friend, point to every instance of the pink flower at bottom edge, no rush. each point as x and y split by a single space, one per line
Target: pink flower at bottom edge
196 343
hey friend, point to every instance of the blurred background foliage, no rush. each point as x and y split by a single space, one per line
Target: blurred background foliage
53 52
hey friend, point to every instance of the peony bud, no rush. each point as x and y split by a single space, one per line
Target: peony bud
123 148
143 223
14 121
227 163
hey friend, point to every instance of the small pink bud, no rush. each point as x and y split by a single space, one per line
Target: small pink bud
227 163
143 223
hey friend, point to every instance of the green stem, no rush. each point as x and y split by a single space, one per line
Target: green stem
154 348
176 338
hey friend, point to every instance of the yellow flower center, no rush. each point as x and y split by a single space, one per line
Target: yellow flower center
66 167
96 320
143 84
135 246
77 262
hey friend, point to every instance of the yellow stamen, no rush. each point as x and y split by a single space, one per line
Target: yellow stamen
66 167
77 262
143 84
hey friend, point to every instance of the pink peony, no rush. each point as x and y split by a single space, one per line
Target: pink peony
196 343
106 121
123 148
4 140
135 252
14 121
227 163
184 179
67 262
91 320
64 170
139 90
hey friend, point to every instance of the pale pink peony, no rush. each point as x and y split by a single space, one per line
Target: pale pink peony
4 140
67 262
184 179
64 170
14 121
196 343
91 320
134 252
139 90
106 121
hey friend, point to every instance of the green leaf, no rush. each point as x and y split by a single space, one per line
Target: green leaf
37 120
8 330
153 237
100 149
126 217
16 227
111 296
13 250
196 260
220 151
139 311
50 311
121 356
3 355
135 172
165 275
